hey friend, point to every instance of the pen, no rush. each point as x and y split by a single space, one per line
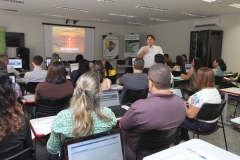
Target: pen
197 154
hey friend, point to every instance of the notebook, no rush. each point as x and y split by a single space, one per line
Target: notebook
187 67
106 145
111 100
73 66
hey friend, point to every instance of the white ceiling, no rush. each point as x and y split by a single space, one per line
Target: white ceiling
100 10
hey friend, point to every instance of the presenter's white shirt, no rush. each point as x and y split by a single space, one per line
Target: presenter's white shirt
149 56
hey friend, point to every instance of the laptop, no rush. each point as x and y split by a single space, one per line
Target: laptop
48 60
73 66
13 78
106 145
187 67
111 100
177 92
15 63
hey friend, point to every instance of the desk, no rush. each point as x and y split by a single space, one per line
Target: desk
230 91
207 150
235 121
33 136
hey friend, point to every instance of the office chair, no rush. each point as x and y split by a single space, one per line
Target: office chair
210 112
26 154
51 107
156 140
133 95
31 86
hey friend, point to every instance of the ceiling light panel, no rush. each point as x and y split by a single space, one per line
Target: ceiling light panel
101 20
70 9
152 8
106 1
194 14
235 5
121 15
157 19
209 0
136 23
14 1
7 9
53 15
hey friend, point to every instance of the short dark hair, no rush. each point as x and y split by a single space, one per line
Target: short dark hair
56 73
138 64
78 58
2 65
205 78
166 55
159 58
37 60
160 75
150 36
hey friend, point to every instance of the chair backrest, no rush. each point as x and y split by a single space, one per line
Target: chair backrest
31 86
218 80
51 107
133 95
27 154
210 112
112 78
176 73
129 70
157 140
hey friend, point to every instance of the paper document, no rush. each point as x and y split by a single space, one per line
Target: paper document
29 98
197 154
44 126
178 78
176 156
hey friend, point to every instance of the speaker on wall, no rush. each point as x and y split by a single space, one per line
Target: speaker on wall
23 53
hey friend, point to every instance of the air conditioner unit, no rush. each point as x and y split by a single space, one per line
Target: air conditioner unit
207 22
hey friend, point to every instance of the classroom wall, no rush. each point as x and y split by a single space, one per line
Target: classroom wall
174 38
34 34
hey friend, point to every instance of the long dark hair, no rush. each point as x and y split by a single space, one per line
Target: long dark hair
221 64
99 68
83 66
56 73
10 122
108 67
179 62
197 64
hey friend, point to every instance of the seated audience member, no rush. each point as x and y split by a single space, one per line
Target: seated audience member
108 69
179 66
15 86
219 67
159 58
99 68
184 58
10 69
136 80
55 85
78 58
191 75
15 133
162 110
84 116
83 67
168 60
205 80
55 57
38 74
232 81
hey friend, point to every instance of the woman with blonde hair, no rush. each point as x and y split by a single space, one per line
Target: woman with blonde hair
54 58
84 116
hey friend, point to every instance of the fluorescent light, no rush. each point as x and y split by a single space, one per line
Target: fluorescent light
106 1
157 19
70 9
209 0
15 1
152 8
53 15
194 14
136 23
121 15
235 5
7 9
101 20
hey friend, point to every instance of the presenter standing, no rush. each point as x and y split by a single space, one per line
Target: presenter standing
148 52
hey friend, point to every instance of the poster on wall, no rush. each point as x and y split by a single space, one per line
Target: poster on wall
110 47
2 42
131 45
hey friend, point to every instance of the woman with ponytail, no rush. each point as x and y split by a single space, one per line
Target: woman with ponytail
219 67
84 116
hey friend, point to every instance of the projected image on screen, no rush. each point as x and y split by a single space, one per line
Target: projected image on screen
68 40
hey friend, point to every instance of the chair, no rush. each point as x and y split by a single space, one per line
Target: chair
71 61
133 95
156 140
112 78
210 112
65 63
27 154
218 81
129 70
31 86
51 107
